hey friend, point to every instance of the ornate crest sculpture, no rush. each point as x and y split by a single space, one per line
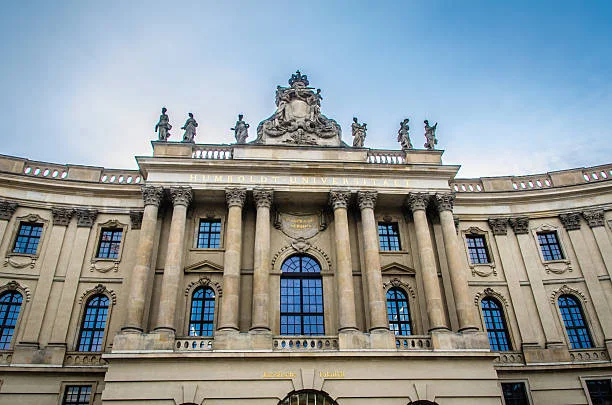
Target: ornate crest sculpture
298 119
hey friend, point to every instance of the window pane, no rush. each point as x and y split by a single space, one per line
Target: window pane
573 319
515 393
27 239
201 321
10 305
600 391
94 323
549 245
110 242
398 312
209 234
388 236
495 324
77 395
477 249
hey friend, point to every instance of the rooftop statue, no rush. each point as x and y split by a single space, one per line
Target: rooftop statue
190 129
430 135
298 119
403 137
359 133
163 126
241 130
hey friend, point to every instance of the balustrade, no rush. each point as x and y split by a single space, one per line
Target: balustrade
213 152
305 343
413 342
193 344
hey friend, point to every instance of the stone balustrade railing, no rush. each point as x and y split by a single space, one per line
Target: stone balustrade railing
589 355
84 359
531 182
193 344
414 342
304 343
393 157
112 176
467 185
597 173
510 357
213 152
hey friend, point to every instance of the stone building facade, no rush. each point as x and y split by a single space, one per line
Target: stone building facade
277 272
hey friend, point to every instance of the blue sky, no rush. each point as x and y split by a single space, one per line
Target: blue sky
517 87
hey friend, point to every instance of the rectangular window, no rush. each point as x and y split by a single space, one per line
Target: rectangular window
549 243
388 236
27 238
110 242
600 391
515 393
77 395
209 234
477 249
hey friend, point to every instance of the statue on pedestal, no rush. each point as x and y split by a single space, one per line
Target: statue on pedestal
430 135
241 130
163 126
403 137
190 129
359 133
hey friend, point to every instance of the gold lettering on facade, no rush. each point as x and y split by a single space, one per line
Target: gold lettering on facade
331 374
295 180
278 374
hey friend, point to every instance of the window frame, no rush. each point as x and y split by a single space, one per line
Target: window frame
190 308
83 300
547 244
32 219
585 318
101 264
583 382
411 322
212 215
6 291
514 381
389 222
479 269
65 384
197 233
504 317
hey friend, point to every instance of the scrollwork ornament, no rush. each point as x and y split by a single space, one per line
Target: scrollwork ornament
445 201
499 226
339 198
570 221
417 201
594 218
181 195
367 199
152 195
263 197
520 225
235 197
61 216
7 209
86 218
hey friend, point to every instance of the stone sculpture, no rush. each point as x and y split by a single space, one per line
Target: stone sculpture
403 137
298 119
430 135
190 129
241 130
163 126
359 133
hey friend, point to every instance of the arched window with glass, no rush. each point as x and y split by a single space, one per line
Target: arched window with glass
10 305
95 315
398 312
495 324
308 397
201 320
574 321
301 297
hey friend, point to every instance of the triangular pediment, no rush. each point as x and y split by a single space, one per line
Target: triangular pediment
205 266
397 269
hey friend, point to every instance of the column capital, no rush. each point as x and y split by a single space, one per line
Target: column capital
366 199
86 218
339 198
520 225
263 197
499 226
7 209
61 216
570 221
445 201
181 195
235 197
417 201
152 195
136 219
594 218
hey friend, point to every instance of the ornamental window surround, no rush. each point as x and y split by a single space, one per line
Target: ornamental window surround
78 394
478 251
550 246
27 236
94 321
109 244
10 307
388 236
398 312
574 321
202 314
515 393
208 234
495 324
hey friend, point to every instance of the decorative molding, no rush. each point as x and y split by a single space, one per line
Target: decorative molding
136 219
570 221
367 199
489 270
204 263
85 217
15 286
520 225
32 218
397 269
235 197
104 265
396 282
445 201
204 282
339 198
152 195
594 218
61 216
301 245
489 292
499 226
563 290
20 261
98 289
558 267
417 201
281 253
263 197
180 195
7 209
474 230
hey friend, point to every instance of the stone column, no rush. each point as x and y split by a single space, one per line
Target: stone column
7 209
142 268
417 202
228 317
595 219
463 301
346 294
377 303
261 266
173 270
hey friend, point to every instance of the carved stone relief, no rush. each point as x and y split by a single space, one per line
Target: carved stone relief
594 217
7 209
570 221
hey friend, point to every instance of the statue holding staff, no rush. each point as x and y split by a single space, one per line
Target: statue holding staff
359 133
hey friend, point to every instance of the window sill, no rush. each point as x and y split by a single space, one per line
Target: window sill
104 265
483 269
207 250
557 266
393 252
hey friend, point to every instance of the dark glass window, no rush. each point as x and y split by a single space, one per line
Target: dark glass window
495 324
398 312
10 304
202 312
94 322
77 395
28 237
308 397
549 243
388 236
110 242
573 318
477 249
209 233
600 391
301 297
515 393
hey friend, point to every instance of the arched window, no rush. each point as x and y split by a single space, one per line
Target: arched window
398 312
94 323
495 324
301 297
202 312
307 397
573 318
10 304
